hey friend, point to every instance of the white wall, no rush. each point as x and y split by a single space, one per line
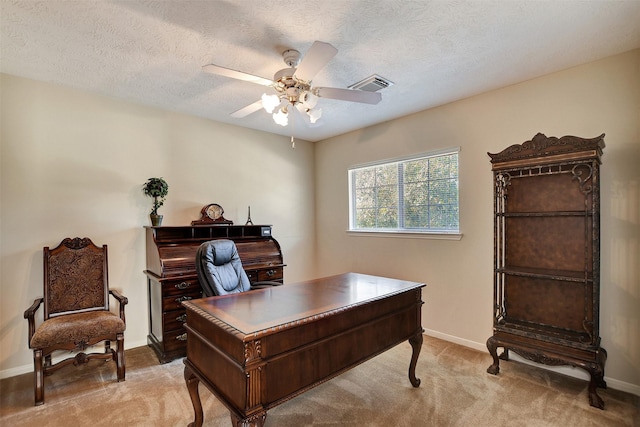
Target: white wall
596 98
73 164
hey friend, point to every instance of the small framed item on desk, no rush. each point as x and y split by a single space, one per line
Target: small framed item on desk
212 214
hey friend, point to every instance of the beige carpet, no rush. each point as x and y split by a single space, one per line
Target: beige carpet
455 391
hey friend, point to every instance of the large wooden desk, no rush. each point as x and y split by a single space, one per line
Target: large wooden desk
258 349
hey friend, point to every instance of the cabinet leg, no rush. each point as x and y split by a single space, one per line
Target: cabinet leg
594 399
504 355
192 385
492 346
416 345
596 371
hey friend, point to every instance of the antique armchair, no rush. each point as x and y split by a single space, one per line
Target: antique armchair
76 311
220 270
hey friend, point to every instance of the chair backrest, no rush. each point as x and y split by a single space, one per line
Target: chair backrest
75 278
219 268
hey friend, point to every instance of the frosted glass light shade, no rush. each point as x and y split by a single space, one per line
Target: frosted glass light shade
314 115
269 102
281 117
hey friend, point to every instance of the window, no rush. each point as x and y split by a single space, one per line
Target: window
411 195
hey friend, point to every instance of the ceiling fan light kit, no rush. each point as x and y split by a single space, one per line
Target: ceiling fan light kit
293 86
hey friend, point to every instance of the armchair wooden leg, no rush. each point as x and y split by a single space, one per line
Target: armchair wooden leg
38 376
120 364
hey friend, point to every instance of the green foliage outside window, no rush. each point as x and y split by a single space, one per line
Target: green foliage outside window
419 194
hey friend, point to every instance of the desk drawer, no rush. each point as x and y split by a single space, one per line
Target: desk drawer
174 302
174 320
175 340
180 286
252 275
273 274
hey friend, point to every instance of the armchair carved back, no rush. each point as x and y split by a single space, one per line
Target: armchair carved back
76 278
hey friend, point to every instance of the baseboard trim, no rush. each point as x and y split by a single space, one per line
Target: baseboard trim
565 370
456 340
25 369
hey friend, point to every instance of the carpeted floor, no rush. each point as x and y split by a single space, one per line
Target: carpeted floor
455 391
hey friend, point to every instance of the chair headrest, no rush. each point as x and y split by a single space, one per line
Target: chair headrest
222 251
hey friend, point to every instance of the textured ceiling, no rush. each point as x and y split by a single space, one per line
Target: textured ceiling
435 52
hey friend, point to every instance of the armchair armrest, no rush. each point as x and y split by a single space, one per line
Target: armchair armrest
264 284
122 300
29 314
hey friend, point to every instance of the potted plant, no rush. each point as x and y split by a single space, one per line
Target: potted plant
158 189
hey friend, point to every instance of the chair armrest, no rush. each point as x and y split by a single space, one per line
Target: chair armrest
29 314
122 300
264 284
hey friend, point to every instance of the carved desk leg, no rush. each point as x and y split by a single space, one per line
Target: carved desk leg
416 345
492 346
192 385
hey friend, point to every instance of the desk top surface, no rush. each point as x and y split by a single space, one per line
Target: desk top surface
258 310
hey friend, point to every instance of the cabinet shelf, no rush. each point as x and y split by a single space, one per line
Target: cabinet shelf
539 273
546 332
553 214
203 233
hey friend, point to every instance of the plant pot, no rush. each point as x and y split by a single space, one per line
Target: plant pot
156 220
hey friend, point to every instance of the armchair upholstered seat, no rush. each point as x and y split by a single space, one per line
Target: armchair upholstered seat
76 328
76 311
220 270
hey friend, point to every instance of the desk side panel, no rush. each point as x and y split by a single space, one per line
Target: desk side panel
212 348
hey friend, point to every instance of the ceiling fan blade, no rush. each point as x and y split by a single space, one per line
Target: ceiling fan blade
349 95
245 111
228 72
318 55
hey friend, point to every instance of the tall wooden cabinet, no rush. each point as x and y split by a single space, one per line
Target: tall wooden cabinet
547 255
172 278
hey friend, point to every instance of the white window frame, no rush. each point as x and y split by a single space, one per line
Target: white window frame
402 232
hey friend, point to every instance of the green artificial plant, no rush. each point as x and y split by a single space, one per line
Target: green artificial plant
158 189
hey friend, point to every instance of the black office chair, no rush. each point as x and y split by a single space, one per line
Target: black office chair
220 270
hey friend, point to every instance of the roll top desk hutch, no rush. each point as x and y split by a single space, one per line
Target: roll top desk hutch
172 278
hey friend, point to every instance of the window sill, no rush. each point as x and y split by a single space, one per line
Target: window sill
406 234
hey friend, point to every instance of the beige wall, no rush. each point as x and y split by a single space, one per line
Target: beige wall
72 164
601 97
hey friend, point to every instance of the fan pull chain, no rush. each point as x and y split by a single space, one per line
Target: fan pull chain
293 129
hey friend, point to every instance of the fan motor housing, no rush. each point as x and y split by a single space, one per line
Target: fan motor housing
291 57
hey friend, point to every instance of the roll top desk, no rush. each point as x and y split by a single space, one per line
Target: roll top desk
172 278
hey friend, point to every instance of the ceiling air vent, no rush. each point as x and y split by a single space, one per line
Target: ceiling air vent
372 84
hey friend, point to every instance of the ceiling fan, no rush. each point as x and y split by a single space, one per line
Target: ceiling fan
293 89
